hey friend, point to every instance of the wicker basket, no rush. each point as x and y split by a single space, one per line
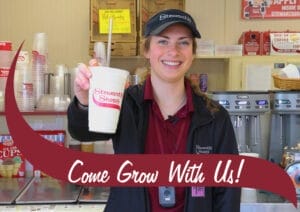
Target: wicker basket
286 83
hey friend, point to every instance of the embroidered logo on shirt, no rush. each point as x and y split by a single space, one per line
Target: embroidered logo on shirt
203 149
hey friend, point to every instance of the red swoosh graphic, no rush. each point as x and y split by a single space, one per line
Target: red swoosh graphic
56 161
109 105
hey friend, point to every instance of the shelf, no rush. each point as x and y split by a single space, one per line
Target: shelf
196 57
207 57
213 57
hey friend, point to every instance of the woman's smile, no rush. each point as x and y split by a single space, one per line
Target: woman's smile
171 63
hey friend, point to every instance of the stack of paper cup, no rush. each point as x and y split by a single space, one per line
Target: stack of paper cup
249 195
99 53
1 101
106 92
57 80
5 62
39 63
23 83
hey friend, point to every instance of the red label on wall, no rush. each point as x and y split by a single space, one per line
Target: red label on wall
252 9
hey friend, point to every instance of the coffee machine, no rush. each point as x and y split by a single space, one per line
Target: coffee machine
285 125
248 111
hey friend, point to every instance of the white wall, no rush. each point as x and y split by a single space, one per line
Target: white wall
67 24
220 20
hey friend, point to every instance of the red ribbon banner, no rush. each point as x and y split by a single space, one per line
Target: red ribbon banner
141 170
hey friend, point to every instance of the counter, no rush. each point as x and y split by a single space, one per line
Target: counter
48 194
267 202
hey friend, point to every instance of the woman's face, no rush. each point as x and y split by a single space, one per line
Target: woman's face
171 53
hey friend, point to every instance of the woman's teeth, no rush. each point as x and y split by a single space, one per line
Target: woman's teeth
171 63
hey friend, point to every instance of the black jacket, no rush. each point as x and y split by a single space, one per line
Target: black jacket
208 133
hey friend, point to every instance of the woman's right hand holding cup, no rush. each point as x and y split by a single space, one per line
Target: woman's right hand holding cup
82 82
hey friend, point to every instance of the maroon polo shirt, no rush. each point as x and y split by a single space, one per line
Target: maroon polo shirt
167 137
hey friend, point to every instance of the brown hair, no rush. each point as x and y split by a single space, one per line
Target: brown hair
209 103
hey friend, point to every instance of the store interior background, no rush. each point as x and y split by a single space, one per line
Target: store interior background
66 23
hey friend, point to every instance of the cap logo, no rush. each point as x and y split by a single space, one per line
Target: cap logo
166 16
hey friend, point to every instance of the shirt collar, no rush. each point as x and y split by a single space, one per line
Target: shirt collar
148 93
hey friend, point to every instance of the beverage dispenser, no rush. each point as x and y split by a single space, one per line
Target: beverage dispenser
285 126
248 111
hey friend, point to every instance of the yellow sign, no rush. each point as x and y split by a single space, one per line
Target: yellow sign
120 21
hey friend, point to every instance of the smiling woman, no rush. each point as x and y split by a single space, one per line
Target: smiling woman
164 115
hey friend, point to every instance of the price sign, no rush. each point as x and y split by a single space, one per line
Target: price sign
120 20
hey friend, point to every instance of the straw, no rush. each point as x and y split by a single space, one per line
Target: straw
109 42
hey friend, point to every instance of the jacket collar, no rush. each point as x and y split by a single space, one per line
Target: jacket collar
201 115
136 92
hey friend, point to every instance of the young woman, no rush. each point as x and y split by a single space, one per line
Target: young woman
165 115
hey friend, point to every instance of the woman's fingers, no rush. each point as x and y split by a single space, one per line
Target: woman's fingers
94 62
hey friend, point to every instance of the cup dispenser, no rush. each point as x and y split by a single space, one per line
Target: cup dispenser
248 111
285 126
58 83
57 90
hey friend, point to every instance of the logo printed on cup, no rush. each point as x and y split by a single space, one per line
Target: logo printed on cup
39 57
110 99
106 93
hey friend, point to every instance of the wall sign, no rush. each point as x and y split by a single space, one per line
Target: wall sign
121 20
260 9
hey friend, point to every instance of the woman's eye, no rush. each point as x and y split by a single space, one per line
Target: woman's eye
184 43
163 42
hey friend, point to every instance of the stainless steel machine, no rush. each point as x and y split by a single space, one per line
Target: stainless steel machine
285 124
249 112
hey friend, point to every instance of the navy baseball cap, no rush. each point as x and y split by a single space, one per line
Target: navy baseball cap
165 18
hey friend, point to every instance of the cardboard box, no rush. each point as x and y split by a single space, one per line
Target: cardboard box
12 162
265 43
95 5
251 42
285 43
205 47
229 50
140 48
265 46
118 49
158 5
123 49
148 8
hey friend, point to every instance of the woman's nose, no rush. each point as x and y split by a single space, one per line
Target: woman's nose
173 49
